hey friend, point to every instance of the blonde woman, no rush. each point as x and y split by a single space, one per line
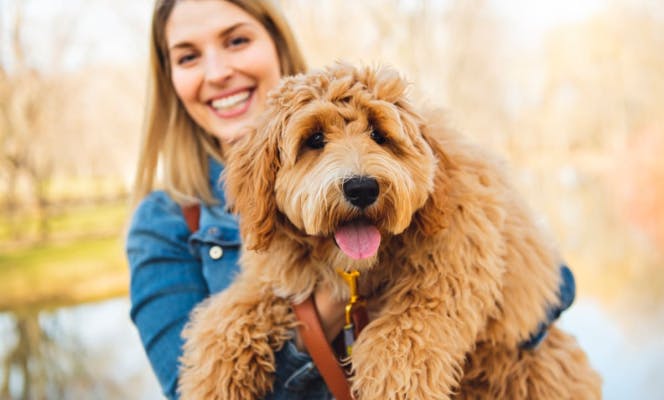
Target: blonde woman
212 64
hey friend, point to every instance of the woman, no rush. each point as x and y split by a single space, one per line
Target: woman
212 64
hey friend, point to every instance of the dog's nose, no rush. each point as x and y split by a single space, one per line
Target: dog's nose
361 191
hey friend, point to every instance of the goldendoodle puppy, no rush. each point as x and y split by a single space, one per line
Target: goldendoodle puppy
344 173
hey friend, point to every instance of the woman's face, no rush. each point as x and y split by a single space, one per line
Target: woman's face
223 62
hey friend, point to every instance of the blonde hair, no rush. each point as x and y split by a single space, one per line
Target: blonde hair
169 133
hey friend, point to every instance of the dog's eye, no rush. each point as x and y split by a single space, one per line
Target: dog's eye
316 141
378 137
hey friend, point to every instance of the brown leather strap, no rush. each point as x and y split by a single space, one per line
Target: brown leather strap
192 215
319 349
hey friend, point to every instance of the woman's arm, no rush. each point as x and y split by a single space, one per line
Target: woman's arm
166 284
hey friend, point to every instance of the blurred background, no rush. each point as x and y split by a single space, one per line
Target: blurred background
569 92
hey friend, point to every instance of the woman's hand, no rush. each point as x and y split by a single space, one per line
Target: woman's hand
331 313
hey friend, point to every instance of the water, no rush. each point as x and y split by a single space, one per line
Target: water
99 353
626 348
106 331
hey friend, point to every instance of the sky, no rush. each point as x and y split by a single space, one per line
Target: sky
101 34
529 20
96 30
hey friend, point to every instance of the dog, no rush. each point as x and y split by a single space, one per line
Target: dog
344 171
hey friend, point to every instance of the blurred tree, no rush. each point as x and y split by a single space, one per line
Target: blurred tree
15 96
602 82
31 105
63 123
473 72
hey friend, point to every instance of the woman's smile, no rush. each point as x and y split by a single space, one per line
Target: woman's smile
233 104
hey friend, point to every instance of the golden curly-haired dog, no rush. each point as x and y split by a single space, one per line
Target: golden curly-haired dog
344 172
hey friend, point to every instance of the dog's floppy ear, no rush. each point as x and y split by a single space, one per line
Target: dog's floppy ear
249 182
433 216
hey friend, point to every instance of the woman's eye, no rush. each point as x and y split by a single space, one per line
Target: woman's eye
316 141
238 41
184 59
378 137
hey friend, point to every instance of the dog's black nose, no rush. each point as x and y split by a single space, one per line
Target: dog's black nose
361 191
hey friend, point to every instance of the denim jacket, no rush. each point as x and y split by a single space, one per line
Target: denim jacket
172 270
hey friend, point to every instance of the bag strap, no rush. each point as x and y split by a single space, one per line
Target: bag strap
192 215
320 350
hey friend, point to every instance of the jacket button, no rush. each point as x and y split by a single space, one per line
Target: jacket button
216 252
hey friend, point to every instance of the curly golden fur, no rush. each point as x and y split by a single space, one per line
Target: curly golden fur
463 274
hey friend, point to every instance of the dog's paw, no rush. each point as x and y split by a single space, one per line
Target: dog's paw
392 363
229 349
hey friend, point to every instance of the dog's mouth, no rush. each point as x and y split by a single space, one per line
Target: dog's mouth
358 239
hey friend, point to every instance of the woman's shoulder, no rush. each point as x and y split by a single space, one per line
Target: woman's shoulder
157 231
158 211
156 206
158 214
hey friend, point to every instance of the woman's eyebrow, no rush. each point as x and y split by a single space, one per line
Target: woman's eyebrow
226 31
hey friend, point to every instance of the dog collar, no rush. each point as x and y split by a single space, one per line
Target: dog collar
566 294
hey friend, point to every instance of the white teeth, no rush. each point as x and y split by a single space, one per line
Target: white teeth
231 101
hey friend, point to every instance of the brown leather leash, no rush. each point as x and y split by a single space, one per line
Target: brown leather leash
320 350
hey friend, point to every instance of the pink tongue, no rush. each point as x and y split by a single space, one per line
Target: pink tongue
358 240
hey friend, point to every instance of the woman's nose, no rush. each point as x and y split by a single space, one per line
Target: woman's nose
217 68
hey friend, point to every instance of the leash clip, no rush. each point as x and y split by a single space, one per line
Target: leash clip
355 305
351 281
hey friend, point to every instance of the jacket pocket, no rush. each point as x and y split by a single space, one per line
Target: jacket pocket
218 248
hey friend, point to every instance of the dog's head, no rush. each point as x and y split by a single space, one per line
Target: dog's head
341 154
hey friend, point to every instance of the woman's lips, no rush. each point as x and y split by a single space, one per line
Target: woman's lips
233 105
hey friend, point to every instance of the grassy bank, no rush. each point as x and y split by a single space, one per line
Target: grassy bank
81 261
65 223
